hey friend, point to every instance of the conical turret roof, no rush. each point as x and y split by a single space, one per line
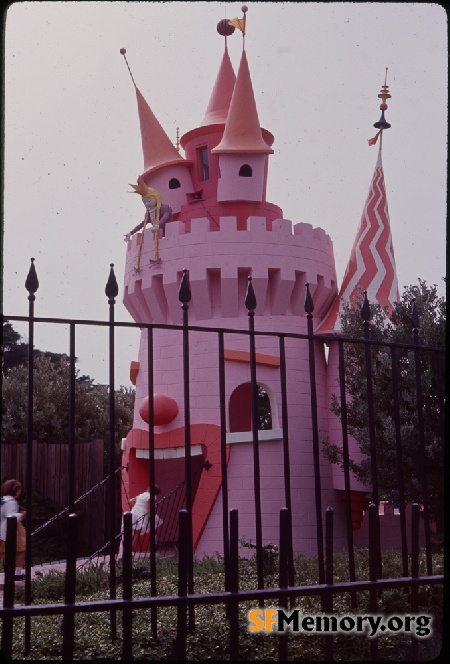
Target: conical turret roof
219 103
242 129
372 264
157 148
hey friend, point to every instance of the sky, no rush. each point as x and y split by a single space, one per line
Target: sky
72 140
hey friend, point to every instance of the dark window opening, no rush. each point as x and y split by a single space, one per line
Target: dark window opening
174 183
245 171
240 409
204 163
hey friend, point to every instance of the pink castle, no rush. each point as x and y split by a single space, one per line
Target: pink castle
223 231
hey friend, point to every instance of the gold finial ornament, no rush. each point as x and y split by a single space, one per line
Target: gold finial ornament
384 92
240 23
382 123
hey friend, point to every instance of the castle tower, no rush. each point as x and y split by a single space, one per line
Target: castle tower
243 153
371 268
225 232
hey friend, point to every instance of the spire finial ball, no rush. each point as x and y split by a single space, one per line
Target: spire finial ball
224 28
123 51
244 8
383 106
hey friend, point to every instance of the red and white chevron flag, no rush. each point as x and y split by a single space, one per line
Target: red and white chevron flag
372 264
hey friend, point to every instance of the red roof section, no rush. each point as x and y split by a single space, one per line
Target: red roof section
242 129
219 103
157 148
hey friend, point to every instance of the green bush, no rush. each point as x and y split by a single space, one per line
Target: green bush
50 586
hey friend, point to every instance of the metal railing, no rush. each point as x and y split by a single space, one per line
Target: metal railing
287 589
167 538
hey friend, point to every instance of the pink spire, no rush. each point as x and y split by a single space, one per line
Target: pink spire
218 106
242 129
157 148
156 145
372 264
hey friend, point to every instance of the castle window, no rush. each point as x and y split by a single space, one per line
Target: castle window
240 409
174 183
245 171
203 163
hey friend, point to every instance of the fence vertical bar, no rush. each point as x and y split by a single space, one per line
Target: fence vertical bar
184 297
127 589
366 315
71 458
283 575
8 595
329 572
250 304
111 291
373 572
223 460
183 580
422 452
441 399
399 459
151 478
441 408
68 627
346 462
414 574
286 460
309 308
234 585
31 284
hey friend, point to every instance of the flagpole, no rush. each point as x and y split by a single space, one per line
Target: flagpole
244 10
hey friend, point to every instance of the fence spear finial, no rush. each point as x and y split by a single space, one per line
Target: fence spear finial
32 282
112 289
366 314
309 304
184 294
250 297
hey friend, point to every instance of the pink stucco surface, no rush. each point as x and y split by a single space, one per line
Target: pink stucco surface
219 263
283 260
232 187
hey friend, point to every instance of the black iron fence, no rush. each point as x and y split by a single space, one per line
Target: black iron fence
288 589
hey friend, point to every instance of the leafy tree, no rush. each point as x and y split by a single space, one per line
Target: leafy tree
14 351
51 399
264 412
431 311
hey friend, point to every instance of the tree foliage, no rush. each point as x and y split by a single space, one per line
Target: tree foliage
14 351
431 311
51 400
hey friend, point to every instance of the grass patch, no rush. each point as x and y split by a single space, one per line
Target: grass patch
210 639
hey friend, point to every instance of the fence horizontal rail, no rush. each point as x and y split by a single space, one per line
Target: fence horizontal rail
220 597
404 389
229 330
